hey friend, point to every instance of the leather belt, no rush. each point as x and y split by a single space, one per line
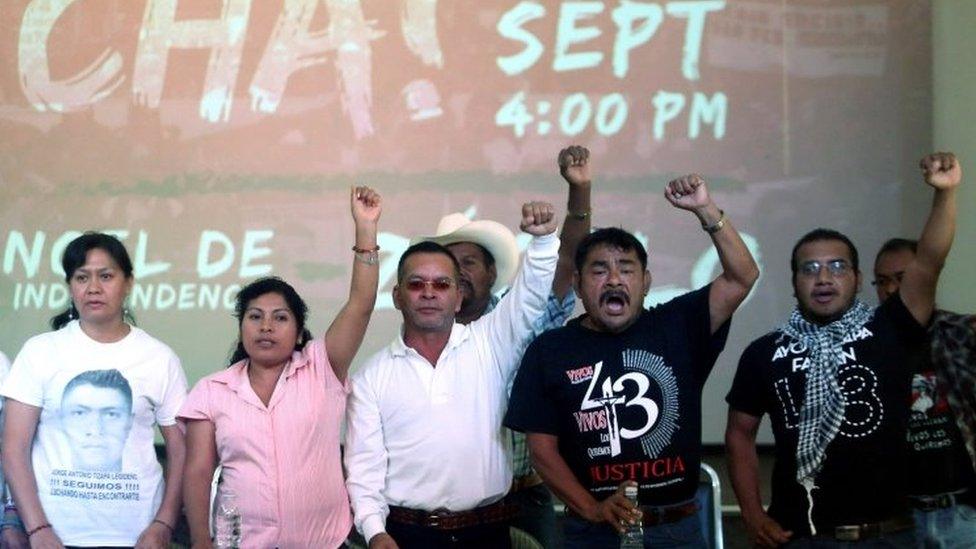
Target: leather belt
857 532
940 501
665 515
442 519
525 481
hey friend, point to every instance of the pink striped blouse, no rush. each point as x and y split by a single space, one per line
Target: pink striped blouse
281 461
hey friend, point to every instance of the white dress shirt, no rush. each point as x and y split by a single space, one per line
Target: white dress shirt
428 437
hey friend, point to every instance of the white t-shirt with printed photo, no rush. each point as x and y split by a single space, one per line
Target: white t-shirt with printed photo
94 461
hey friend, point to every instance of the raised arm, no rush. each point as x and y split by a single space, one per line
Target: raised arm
346 332
198 471
739 269
740 441
551 466
943 173
20 425
510 326
575 167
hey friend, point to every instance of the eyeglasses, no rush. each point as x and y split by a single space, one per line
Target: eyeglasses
885 280
836 267
439 285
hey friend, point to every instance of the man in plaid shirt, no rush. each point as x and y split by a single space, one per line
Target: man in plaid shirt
943 421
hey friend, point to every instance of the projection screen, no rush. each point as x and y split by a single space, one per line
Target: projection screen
219 139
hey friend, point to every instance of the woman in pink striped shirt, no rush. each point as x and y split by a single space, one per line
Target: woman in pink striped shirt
272 419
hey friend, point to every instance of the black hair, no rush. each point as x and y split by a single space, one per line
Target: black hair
256 289
611 237
817 235
428 247
897 245
105 379
74 257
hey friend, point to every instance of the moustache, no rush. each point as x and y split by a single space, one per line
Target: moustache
615 294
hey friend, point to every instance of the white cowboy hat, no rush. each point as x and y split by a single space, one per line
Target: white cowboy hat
492 235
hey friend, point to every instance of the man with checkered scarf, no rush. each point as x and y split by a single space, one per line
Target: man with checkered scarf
835 381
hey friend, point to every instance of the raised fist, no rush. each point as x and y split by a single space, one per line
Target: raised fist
574 165
687 192
941 170
366 204
538 218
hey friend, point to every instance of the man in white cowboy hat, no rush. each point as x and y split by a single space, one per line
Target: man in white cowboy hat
487 253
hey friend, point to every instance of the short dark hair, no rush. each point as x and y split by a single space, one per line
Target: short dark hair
76 254
897 245
427 247
258 288
612 237
103 379
817 235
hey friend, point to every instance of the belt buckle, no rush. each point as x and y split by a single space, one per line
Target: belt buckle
434 518
850 532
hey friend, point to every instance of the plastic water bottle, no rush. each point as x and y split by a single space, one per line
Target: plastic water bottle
633 536
227 522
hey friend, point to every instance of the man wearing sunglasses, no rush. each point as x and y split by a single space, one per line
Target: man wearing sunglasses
835 380
427 462
942 450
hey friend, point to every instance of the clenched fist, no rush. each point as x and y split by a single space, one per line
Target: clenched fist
538 218
941 170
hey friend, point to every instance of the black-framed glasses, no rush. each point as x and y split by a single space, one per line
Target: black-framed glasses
836 267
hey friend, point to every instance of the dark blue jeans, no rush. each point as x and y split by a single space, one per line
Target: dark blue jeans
950 528
683 534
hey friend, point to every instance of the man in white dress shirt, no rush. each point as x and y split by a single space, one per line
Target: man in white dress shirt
425 451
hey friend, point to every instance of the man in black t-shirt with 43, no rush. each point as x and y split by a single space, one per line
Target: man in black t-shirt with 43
835 382
614 397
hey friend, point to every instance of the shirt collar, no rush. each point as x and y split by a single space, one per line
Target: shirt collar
459 334
236 374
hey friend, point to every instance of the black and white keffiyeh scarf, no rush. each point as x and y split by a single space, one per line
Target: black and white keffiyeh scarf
823 405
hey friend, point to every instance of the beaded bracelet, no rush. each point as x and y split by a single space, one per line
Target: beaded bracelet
38 529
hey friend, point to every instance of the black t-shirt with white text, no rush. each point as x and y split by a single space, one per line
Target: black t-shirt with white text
624 406
863 478
938 460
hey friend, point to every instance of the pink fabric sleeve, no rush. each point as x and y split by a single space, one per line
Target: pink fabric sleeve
197 403
315 352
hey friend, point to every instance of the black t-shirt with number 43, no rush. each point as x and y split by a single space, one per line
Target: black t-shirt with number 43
863 479
624 406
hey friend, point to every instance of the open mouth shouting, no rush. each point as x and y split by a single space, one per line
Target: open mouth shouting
615 301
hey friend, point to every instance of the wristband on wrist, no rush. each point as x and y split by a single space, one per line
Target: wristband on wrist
37 529
12 521
579 216
369 256
717 226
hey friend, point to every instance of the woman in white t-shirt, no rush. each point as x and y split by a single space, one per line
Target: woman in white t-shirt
82 405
